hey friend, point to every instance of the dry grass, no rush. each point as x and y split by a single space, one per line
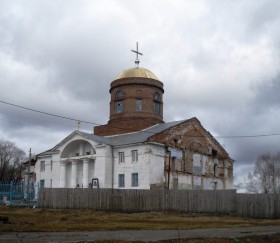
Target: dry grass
28 220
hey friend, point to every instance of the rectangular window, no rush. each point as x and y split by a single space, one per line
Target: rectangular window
138 105
42 183
121 180
51 164
157 108
197 164
119 106
134 179
134 154
121 157
42 166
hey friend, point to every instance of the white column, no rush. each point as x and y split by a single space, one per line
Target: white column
82 149
62 175
85 173
74 174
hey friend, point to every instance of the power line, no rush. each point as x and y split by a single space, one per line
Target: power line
250 136
47 113
94 123
64 117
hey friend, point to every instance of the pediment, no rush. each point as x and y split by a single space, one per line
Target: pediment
191 135
72 140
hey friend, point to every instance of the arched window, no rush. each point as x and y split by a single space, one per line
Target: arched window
120 94
156 96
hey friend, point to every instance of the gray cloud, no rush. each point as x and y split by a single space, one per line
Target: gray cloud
219 61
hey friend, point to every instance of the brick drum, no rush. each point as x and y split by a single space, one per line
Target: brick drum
148 90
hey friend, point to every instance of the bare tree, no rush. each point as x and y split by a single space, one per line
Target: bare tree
11 158
266 175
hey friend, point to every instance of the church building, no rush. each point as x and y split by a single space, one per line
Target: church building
136 149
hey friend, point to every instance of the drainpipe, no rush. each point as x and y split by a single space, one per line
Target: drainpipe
112 151
168 177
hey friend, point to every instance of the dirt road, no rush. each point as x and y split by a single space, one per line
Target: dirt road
133 235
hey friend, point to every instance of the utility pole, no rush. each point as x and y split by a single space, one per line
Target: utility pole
28 175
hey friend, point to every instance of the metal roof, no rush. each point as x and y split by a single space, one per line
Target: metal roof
137 73
131 138
117 140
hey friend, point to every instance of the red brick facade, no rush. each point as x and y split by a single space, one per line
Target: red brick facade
136 104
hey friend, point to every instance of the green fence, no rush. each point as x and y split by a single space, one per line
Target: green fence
18 194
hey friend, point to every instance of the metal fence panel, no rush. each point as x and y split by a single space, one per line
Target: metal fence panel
18 194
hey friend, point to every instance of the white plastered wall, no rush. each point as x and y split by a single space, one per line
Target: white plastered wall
150 166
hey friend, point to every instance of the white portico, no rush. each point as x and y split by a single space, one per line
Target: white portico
75 160
79 172
73 164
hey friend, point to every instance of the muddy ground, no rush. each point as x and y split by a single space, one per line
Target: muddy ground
51 220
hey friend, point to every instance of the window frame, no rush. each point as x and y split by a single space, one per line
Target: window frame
42 183
134 156
157 108
121 180
119 94
134 179
138 105
121 158
119 106
42 165
157 96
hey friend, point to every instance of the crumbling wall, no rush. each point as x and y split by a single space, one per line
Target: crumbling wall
190 140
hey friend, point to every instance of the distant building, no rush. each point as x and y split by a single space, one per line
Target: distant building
29 175
136 149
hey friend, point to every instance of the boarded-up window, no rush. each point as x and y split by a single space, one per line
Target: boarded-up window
196 183
196 164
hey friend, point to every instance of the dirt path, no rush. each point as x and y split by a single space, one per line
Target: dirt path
142 235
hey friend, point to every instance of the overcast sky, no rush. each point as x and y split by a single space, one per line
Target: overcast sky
219 61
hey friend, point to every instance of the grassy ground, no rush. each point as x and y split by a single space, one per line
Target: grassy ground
40 220
251 239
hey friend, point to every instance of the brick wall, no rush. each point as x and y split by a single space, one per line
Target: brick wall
130 119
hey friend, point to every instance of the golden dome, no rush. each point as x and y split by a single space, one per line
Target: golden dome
136 73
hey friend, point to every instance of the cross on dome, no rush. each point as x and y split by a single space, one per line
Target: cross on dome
137 53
